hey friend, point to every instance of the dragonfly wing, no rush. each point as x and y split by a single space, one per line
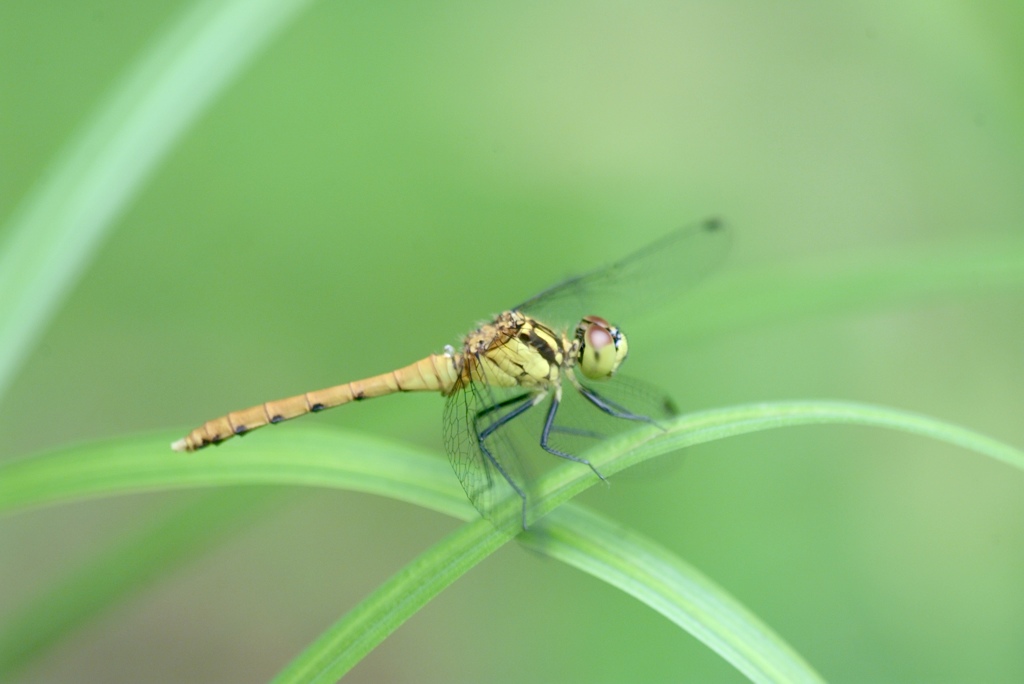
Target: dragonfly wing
490 471
581 425
639 397
644 279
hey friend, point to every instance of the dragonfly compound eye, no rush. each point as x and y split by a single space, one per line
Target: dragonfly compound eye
603 348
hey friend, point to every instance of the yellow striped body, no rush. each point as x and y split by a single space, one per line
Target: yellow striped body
513 350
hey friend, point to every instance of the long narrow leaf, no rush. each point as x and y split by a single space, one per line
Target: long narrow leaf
652 574
589 543
704 610
331 459
345 643
316 457
691 429
54 233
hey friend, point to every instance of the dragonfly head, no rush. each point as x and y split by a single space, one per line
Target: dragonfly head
602 348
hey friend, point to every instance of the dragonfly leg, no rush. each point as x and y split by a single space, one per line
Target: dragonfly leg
549 425
491 409
610 407
482 435
500 405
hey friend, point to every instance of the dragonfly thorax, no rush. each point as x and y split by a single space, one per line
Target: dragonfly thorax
601 348
515 350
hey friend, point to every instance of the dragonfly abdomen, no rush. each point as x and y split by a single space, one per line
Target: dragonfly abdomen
437 373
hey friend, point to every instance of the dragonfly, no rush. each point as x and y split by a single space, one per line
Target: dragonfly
548 351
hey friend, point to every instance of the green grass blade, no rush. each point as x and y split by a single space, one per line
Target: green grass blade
349 461
124 569
345 643
588 542
333 459
691 429
311 457
627 560
316 457
54 233
652 574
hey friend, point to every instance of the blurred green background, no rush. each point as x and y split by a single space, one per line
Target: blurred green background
385 175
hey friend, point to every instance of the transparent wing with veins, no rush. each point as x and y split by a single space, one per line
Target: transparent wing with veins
636 283
492 468
504 466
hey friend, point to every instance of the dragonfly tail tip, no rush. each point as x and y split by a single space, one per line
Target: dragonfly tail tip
180 445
